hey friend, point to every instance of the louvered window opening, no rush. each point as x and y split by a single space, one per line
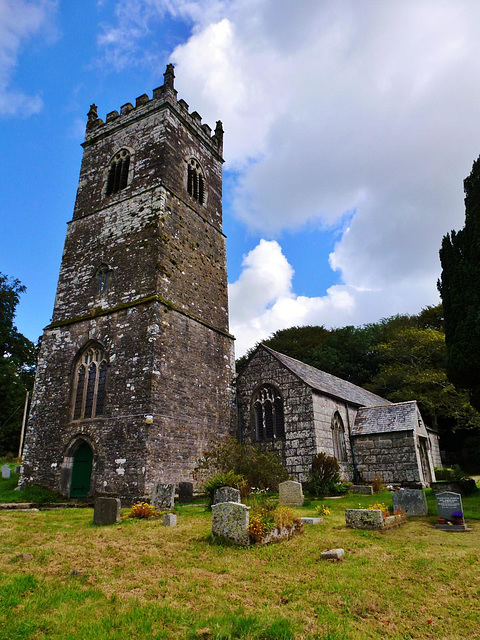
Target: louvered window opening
90 384
102 279
338 432
195 182
268 413
118 173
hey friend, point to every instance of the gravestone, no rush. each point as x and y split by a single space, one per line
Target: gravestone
185 492
17 469
106 511
412 501
449 503
169 519
365 489
163 496
226 494
230 521
290 494
6 471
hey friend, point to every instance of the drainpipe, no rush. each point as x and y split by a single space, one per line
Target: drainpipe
354 462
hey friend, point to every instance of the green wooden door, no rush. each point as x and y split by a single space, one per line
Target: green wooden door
81 472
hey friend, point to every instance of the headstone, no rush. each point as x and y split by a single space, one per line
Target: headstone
333 554
290 494
6 471
106 511
448 504
17 469
412 501
364 518
226 494
169 519
365 489
185 492
230 520
163 496
307 520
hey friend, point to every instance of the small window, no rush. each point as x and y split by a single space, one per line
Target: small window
90 383
118 173
102 277
267 405
338 433
195 181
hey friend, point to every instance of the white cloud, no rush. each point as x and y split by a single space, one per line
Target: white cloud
19 21
338 110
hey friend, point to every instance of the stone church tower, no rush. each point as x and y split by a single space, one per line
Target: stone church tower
135 370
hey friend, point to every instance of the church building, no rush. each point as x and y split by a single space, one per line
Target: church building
135 371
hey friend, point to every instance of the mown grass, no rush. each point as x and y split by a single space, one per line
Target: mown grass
39 495
62 578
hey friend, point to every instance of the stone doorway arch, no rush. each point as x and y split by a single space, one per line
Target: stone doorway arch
77 468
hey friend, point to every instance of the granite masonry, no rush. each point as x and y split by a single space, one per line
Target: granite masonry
135 371
298 411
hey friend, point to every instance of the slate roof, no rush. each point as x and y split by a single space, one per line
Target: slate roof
401 416
325 382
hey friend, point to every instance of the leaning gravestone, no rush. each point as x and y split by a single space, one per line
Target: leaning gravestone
226 494
185 492
411 501
449 503
290 494
163 496
230 521
6 471
106 511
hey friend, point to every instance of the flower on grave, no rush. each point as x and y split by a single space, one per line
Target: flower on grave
457 514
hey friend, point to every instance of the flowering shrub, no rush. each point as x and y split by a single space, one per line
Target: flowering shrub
382 506
399 512
143 510
266 517
322 510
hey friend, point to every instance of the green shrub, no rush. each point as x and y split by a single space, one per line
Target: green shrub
261 470
224 479
324 477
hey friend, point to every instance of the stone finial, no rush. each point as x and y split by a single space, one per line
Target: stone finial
169 77
218 136
92 116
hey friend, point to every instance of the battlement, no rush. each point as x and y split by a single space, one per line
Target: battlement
165 94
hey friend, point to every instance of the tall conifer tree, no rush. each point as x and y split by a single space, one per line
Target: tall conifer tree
459 287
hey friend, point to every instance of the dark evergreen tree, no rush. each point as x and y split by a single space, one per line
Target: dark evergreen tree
459 287
17 361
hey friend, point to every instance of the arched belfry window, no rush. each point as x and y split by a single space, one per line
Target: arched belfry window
117 178
338 434
102 277
90 381
195 181
267 411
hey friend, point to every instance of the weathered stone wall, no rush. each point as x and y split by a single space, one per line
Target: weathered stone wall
391 455
163 322
299 445
324 408
434 440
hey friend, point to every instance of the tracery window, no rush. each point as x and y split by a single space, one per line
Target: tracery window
338 433
102 276
90 383
118 173
195 181
267 404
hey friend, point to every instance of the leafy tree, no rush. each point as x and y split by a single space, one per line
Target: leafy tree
17 361
460 291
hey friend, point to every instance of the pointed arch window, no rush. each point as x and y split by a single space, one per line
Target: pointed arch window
338 433
195 181
90 383
117 178
267 406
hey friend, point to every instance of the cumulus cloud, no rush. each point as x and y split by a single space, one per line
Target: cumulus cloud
19 21
340 112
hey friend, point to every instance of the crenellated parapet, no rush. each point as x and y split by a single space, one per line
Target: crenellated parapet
144 106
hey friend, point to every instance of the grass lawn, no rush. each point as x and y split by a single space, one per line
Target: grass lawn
63 578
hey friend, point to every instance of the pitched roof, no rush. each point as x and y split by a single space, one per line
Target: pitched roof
401 416
325 382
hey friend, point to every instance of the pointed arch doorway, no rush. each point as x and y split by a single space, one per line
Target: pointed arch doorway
81 471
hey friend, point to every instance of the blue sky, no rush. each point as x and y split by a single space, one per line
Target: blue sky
349 128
